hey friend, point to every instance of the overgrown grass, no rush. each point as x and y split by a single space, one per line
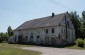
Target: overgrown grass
76 46
14 49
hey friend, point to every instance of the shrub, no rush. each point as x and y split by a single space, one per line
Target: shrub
80 43
1 39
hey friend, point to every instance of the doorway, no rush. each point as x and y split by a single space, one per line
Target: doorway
38 40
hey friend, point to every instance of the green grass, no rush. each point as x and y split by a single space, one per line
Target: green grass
75 47
14 49
14 45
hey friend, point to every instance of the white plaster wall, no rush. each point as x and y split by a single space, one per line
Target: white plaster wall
39 32
70 29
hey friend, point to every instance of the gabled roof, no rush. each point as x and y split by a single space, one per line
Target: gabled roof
42 22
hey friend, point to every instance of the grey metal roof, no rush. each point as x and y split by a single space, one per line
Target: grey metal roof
42 22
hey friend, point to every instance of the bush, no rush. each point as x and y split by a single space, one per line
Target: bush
80 43
1 40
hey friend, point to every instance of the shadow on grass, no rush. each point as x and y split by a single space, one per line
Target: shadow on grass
57 46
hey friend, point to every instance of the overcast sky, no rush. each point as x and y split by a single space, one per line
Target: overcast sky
16 12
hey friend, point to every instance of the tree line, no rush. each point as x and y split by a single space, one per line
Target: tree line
79 24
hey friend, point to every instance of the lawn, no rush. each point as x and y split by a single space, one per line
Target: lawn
14 49
75 47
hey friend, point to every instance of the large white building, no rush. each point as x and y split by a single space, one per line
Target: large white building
53 30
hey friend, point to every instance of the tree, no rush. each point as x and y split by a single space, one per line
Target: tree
77 24
83 23
10 31
1 39
83 15
5 36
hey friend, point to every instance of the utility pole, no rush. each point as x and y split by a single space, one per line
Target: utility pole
66 27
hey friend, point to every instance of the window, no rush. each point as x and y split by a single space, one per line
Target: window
31 36
15 38
53 31
62 31
46 31
38 36
68 33
72 33
26 37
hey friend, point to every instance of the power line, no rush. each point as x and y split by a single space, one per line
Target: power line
60 4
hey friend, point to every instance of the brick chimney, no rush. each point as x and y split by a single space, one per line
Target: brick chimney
53 14
67 12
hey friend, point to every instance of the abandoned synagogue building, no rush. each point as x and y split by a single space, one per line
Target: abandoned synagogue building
53 30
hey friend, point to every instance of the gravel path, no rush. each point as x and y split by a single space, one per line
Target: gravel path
56 51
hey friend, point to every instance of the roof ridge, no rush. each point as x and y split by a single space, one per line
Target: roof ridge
42 22
45 17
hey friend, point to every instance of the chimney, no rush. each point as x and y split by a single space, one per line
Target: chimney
53 14
67 12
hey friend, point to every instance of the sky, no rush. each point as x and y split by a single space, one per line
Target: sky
15 12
